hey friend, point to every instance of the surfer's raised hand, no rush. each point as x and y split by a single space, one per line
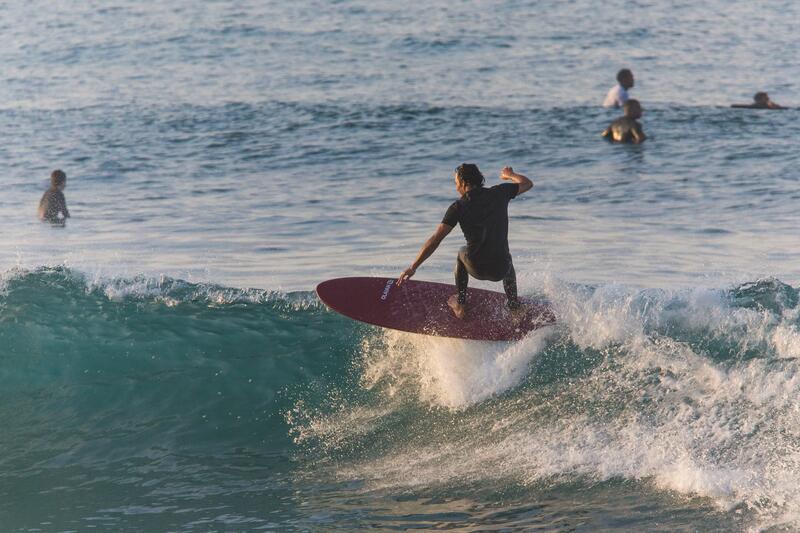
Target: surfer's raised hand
407 273
524 184
507 173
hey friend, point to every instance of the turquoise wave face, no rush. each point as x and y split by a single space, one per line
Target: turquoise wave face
153 363
141 403
145 403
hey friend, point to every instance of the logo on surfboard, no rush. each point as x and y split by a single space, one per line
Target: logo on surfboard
386 289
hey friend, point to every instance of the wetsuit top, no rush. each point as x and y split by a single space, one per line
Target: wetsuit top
483 215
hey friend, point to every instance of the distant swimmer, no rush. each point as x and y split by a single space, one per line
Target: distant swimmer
53 205
626 129
760 101
618 94
483 216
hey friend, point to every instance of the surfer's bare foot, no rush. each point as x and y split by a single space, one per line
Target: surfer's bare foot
517 313
460 310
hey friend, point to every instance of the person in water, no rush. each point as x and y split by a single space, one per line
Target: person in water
483 215
618 94
626 129
53 205
760 101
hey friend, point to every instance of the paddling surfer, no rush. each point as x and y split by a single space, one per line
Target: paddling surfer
483 215
761 100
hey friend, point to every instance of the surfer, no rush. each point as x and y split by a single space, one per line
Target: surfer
483 215
760 101
53 205
618 94
626 129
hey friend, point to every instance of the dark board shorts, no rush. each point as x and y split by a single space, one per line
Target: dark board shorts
493 272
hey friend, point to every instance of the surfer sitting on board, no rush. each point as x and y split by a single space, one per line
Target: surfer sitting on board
483 215
626 129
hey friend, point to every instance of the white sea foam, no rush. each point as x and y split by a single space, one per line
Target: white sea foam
450 373
786 341
333 430
660 408
706 435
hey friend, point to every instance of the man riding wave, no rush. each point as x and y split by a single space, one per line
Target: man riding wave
482 214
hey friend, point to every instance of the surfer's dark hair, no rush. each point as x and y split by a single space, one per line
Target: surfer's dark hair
624 73
57 178
469 174
630 105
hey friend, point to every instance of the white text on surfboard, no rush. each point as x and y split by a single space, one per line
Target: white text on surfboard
386 289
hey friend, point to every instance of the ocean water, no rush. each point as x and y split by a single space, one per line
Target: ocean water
166 366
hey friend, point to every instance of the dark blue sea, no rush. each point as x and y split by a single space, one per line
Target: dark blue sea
165 364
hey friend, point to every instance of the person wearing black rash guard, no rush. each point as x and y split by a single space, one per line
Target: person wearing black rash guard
483 215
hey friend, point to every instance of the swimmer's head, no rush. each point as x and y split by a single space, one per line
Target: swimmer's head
625 78
761 98
58 179
632 108
468 176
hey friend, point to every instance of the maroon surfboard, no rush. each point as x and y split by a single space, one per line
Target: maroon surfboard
421 307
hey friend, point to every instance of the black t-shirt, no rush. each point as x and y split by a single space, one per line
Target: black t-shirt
483 215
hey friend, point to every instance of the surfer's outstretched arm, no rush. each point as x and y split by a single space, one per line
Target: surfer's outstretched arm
427 250
522 182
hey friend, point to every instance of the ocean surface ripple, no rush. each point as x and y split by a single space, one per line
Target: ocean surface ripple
166 366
